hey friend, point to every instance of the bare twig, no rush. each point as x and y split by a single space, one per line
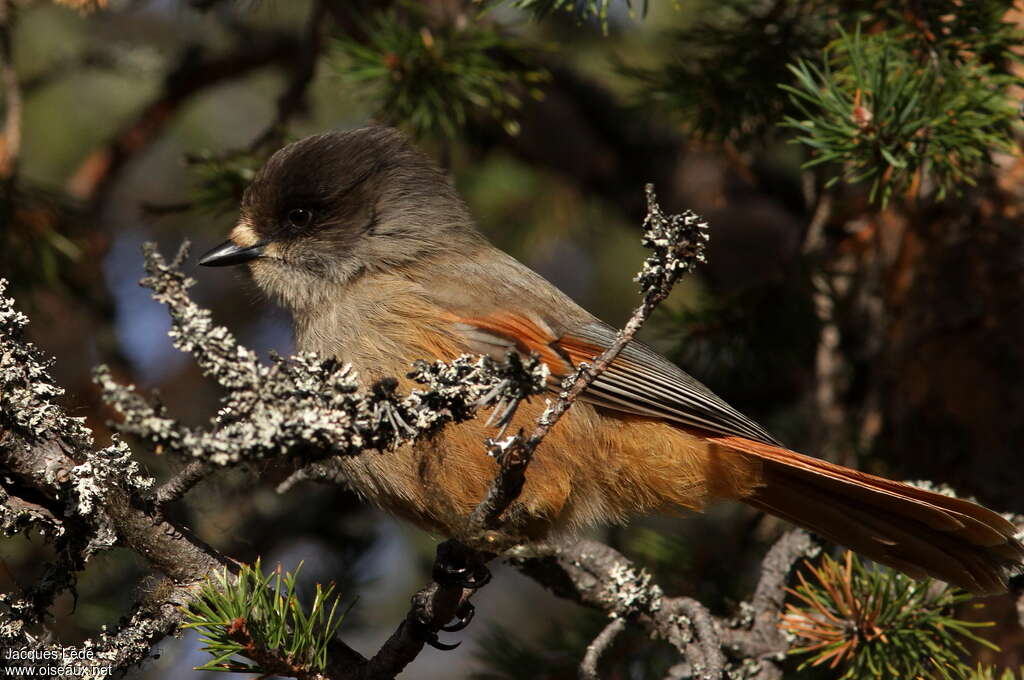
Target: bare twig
325 472
292 100
180 484
597 647
95 175
815 235
598 576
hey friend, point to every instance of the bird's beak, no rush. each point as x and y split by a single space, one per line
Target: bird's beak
228 253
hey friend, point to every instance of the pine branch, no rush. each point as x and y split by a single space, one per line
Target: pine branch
859 619
877 111
434 77
260 617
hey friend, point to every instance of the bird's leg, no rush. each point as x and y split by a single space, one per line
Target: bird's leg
457 568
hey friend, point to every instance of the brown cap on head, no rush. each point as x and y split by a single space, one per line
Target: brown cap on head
338 201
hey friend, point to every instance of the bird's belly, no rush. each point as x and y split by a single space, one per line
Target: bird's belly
593 468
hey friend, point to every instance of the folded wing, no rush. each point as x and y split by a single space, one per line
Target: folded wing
639 381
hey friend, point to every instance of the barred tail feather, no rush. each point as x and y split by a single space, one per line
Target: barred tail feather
916 531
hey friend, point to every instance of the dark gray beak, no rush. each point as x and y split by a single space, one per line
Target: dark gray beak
228 253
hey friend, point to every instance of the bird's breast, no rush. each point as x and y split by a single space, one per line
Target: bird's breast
594 467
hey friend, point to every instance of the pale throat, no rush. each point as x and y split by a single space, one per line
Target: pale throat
380 324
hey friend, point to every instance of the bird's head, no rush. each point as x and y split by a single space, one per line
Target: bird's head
328 208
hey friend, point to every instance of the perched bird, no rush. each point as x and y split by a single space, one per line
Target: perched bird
365 241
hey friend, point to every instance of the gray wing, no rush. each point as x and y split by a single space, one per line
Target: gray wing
642 381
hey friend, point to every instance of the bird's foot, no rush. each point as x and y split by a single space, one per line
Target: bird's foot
462 618
429 636
425 631
457 565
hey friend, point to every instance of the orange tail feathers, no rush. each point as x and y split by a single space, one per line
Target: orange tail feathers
916 531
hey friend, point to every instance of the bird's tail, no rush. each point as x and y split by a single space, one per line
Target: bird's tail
916 531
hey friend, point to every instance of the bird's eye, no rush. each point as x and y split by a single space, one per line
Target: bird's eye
300 218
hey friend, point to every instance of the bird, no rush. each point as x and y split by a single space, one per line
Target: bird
364 239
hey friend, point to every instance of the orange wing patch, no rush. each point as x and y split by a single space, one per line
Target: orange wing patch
526 334
580 350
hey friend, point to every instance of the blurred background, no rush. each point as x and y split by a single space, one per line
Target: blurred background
858 163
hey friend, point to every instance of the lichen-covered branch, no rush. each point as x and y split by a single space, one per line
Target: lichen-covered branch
306 409
303 406
604 640
755 633
84 500
748 646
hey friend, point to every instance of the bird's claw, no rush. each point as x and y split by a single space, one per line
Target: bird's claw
462 618
429 637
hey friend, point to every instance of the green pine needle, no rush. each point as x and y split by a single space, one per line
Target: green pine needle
879 110
433 78
582 10
254 623
992 673
879 623
219 182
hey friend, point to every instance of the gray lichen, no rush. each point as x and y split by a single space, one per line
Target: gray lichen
305 405
678 243
631 591
27 390
17 515
95 657
104 471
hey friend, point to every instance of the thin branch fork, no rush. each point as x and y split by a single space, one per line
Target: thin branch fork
597 647
597 576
